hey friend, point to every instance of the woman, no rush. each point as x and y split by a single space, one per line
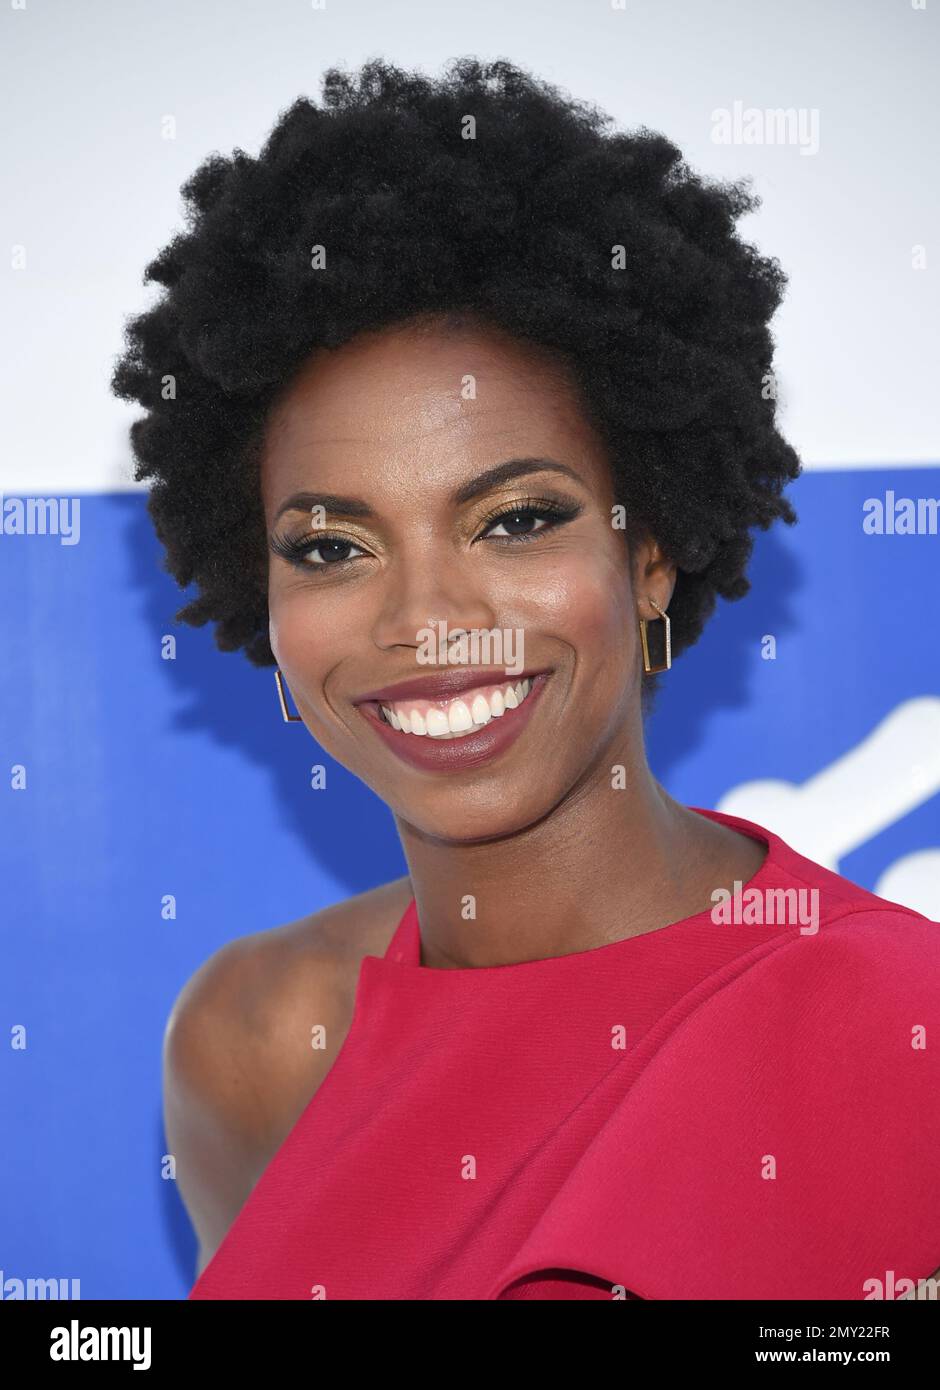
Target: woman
460 411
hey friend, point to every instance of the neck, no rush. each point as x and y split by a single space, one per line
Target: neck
603 865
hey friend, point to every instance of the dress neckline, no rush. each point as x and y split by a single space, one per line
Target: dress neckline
404 948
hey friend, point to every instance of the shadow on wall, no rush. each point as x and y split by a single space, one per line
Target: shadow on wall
718 672
223 696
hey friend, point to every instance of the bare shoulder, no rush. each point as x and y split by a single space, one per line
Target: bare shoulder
250 1037
345 931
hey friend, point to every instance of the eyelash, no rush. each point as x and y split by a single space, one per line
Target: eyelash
295 549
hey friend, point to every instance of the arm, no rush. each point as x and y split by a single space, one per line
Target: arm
213 1113
237 1060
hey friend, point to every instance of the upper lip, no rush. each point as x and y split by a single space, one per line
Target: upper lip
447 683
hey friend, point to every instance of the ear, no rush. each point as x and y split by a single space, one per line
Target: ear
654 576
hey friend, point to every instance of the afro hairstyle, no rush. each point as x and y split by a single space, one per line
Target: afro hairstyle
484 193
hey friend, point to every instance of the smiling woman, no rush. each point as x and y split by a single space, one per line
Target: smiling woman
423 515
510 389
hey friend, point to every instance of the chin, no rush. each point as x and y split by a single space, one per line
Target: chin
462 817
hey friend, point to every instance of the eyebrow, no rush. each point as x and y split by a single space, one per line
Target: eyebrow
492 477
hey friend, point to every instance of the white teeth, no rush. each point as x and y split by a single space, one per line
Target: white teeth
480 710
459 718
437 722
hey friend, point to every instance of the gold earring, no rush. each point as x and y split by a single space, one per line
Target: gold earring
647 665
291 718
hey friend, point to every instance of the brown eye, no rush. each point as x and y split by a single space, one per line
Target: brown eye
332 551
527 520
522 522
329 550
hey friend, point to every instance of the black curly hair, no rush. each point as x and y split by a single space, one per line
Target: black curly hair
485 193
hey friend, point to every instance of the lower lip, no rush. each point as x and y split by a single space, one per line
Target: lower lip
458 754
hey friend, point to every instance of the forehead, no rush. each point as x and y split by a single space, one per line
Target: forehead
426 401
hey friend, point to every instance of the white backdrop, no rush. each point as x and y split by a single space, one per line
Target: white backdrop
111 104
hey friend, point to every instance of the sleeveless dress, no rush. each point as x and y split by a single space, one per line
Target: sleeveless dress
714 1109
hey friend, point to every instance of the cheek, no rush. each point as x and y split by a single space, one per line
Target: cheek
586 601
308 633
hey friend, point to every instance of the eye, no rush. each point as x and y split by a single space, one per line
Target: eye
335 550
318 550
511 523
524 521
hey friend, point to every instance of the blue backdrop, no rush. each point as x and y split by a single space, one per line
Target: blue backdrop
146 777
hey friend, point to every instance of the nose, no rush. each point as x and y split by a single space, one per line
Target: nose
422 598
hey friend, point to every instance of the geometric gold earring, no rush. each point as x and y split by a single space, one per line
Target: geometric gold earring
291 718
648 666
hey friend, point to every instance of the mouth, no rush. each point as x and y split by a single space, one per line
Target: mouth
456 732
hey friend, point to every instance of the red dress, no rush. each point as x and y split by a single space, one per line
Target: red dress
739 1109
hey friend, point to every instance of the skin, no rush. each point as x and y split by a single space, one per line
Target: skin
384 419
